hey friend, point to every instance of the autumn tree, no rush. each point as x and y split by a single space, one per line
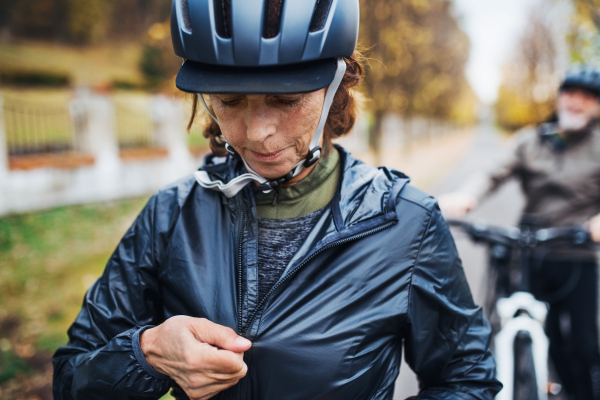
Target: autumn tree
417 56
590 10
583 38
81 22
529 82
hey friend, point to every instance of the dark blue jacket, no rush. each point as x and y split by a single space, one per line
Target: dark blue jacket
379 272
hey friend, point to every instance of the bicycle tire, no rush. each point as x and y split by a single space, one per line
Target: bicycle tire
525 381
492 295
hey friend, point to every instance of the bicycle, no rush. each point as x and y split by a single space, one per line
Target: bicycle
516 316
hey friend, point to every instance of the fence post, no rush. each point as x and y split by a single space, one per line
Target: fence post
97 136
168 118
3 159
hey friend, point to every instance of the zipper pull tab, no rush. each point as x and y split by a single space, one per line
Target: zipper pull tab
275 197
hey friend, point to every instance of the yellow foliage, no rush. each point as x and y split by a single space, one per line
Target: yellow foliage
160 31
420 55
515 111
584 37
529 82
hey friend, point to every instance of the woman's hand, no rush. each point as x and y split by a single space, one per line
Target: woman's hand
457 204
202 357
594 227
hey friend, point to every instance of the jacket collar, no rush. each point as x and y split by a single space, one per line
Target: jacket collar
366 196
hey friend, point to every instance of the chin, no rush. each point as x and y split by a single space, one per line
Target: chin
272 171
573 122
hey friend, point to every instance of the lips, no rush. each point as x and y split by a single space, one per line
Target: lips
267 157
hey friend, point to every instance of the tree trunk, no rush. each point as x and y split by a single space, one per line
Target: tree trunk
375 134
408 134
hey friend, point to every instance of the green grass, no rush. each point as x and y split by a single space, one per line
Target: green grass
49 259
10 366
90 65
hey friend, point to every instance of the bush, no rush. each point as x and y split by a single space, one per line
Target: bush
158 62
125 84
34 78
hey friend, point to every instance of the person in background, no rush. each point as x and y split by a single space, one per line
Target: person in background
558 166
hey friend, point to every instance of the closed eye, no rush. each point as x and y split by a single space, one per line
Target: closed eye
230 103
289 102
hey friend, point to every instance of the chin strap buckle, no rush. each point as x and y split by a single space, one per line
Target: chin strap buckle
270 185
310 160
313 156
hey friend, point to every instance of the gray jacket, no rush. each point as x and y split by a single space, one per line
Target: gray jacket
560 178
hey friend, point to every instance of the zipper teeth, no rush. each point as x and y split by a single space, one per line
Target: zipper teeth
236 395
293 272
241 234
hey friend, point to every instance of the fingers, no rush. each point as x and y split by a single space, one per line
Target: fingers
209 377
204 357
594 228
456 205
219 336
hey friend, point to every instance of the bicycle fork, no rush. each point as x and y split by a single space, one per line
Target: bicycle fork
531 322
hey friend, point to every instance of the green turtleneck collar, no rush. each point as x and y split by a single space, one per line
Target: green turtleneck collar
311 194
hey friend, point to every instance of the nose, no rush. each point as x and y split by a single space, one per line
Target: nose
260 121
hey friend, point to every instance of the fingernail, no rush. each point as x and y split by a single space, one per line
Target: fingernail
242 342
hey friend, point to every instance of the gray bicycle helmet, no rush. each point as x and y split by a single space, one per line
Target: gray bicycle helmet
263 47
584 77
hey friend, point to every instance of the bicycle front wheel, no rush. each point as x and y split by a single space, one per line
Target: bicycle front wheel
525 381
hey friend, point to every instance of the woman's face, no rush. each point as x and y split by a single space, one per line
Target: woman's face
271 132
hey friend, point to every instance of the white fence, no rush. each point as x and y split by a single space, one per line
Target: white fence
109 176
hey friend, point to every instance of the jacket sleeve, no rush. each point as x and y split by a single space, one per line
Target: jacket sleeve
483 183
103 358
447 337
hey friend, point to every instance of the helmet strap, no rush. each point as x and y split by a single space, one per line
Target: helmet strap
235 185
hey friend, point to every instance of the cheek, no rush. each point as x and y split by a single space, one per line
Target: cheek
563 102
300 124
592 106
233 130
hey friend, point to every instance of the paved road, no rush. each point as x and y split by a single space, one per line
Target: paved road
502 208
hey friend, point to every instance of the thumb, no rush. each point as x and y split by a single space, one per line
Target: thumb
219 336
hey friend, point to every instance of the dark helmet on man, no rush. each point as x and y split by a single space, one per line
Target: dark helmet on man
582 77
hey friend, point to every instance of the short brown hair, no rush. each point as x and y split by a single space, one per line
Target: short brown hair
342 114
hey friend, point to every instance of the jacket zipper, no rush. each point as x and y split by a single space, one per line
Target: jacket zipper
240 240
236 389
303 263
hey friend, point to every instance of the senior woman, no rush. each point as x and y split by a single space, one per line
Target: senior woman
283 268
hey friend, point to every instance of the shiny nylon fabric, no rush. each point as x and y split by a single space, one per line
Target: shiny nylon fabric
379 269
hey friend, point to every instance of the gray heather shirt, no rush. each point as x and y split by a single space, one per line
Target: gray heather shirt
278 242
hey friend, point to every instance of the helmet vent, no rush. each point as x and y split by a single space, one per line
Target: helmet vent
185 13
320 15
273 12
223 18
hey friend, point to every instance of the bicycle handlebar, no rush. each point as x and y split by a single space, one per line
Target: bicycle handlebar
479 232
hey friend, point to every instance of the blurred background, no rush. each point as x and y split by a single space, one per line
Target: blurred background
91 124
